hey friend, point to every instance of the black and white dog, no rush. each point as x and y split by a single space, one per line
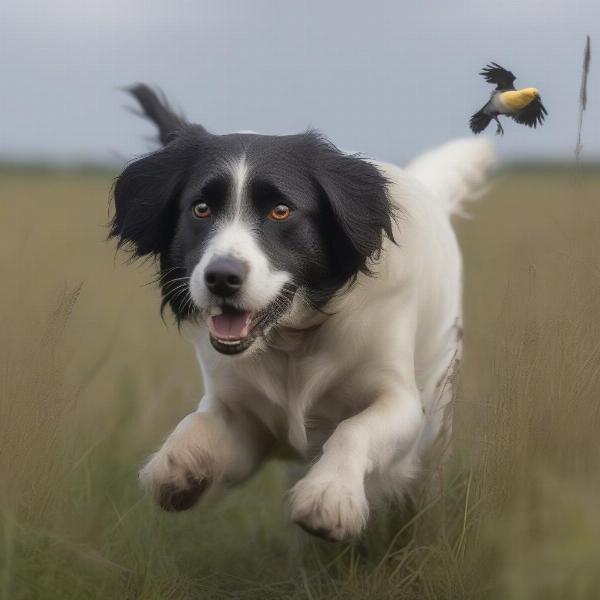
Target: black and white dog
322 294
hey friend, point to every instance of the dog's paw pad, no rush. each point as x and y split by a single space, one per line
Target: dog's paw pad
172 484
321 532
329 511
174 498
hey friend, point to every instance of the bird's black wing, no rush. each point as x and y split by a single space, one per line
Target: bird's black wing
480 120
494 73
532 115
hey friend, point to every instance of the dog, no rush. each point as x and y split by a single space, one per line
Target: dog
322 294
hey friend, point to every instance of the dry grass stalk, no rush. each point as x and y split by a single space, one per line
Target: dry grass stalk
587 54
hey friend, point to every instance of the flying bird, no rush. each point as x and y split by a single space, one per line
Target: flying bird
524 105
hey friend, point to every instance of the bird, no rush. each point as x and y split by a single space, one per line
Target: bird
524 105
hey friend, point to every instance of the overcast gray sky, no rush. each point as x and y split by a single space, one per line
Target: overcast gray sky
387 78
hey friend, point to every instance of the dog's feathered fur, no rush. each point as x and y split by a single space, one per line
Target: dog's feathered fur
352 308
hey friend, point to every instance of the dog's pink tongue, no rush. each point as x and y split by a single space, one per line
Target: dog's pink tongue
230 325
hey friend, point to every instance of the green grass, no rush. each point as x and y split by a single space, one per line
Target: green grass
91 380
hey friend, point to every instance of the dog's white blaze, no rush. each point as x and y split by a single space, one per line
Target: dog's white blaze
239 173
262 283
235 239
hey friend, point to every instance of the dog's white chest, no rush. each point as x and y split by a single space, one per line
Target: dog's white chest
304 393
300 396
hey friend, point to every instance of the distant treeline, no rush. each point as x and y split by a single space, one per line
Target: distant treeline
40 168
552 166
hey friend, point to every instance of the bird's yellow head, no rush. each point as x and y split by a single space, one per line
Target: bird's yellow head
532 93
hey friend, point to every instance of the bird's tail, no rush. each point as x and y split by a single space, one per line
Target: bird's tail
479 121
456 172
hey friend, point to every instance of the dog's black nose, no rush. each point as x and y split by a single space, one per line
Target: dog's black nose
225 275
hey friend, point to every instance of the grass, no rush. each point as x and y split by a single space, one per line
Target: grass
91 380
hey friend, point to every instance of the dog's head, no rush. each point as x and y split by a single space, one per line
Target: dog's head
244 224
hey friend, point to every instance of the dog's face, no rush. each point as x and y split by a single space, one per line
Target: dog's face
243 225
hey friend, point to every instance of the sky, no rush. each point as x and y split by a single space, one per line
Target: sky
385 78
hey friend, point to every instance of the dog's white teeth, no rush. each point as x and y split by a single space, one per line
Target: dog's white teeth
215 311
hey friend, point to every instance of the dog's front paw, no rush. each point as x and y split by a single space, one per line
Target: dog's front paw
175 480
329 509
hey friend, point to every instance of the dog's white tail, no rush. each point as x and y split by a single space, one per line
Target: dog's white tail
456 172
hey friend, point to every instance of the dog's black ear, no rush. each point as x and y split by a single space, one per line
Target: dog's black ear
155 107
357 194
144 196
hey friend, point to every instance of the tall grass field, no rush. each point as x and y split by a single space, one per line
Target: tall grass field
91 381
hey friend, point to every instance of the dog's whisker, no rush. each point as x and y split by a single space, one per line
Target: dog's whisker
174 295
176 283
180 286
186 278
164 274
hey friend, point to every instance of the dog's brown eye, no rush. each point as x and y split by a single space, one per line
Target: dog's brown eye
280 213
201 210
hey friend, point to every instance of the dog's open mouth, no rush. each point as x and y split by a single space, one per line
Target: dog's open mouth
231 330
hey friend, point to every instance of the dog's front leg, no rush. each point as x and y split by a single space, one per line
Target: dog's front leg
330 501
206 447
